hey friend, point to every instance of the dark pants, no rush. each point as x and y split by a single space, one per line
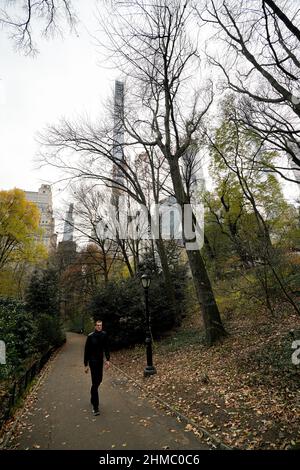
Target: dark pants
96 374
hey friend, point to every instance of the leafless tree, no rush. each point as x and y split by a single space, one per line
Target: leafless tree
89 210
21 18
151 44
256 47
163 114
141 176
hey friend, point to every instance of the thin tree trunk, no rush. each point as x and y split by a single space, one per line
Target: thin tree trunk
266 289
125 257
210 251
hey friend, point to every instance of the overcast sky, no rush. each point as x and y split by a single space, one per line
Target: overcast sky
67 78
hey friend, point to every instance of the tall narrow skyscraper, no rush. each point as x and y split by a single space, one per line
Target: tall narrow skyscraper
69 225
118 121
118 132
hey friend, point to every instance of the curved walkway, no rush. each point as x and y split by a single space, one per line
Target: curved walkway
60 417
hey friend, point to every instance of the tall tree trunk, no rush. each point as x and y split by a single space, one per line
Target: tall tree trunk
170 291
214 329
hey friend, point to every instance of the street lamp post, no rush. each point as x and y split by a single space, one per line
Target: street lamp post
149 369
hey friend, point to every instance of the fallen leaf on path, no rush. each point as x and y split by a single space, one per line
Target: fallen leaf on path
189 427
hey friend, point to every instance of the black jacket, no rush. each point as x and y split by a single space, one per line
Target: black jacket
96 344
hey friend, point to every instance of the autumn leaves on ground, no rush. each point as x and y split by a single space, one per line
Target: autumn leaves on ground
244 391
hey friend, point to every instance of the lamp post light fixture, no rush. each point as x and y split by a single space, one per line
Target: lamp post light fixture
149 369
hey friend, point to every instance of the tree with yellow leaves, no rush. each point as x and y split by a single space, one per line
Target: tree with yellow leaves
19 229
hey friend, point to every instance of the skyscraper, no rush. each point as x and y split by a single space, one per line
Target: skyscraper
43 199
69 224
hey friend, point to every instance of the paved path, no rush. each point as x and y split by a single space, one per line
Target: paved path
61 418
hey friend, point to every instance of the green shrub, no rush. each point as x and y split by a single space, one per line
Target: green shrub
18 331
48 333
42 296
121 307
25 335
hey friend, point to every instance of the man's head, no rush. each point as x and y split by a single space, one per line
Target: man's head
98 325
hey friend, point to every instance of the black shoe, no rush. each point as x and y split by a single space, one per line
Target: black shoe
96 412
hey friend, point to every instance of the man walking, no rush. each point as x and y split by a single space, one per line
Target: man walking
96 344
